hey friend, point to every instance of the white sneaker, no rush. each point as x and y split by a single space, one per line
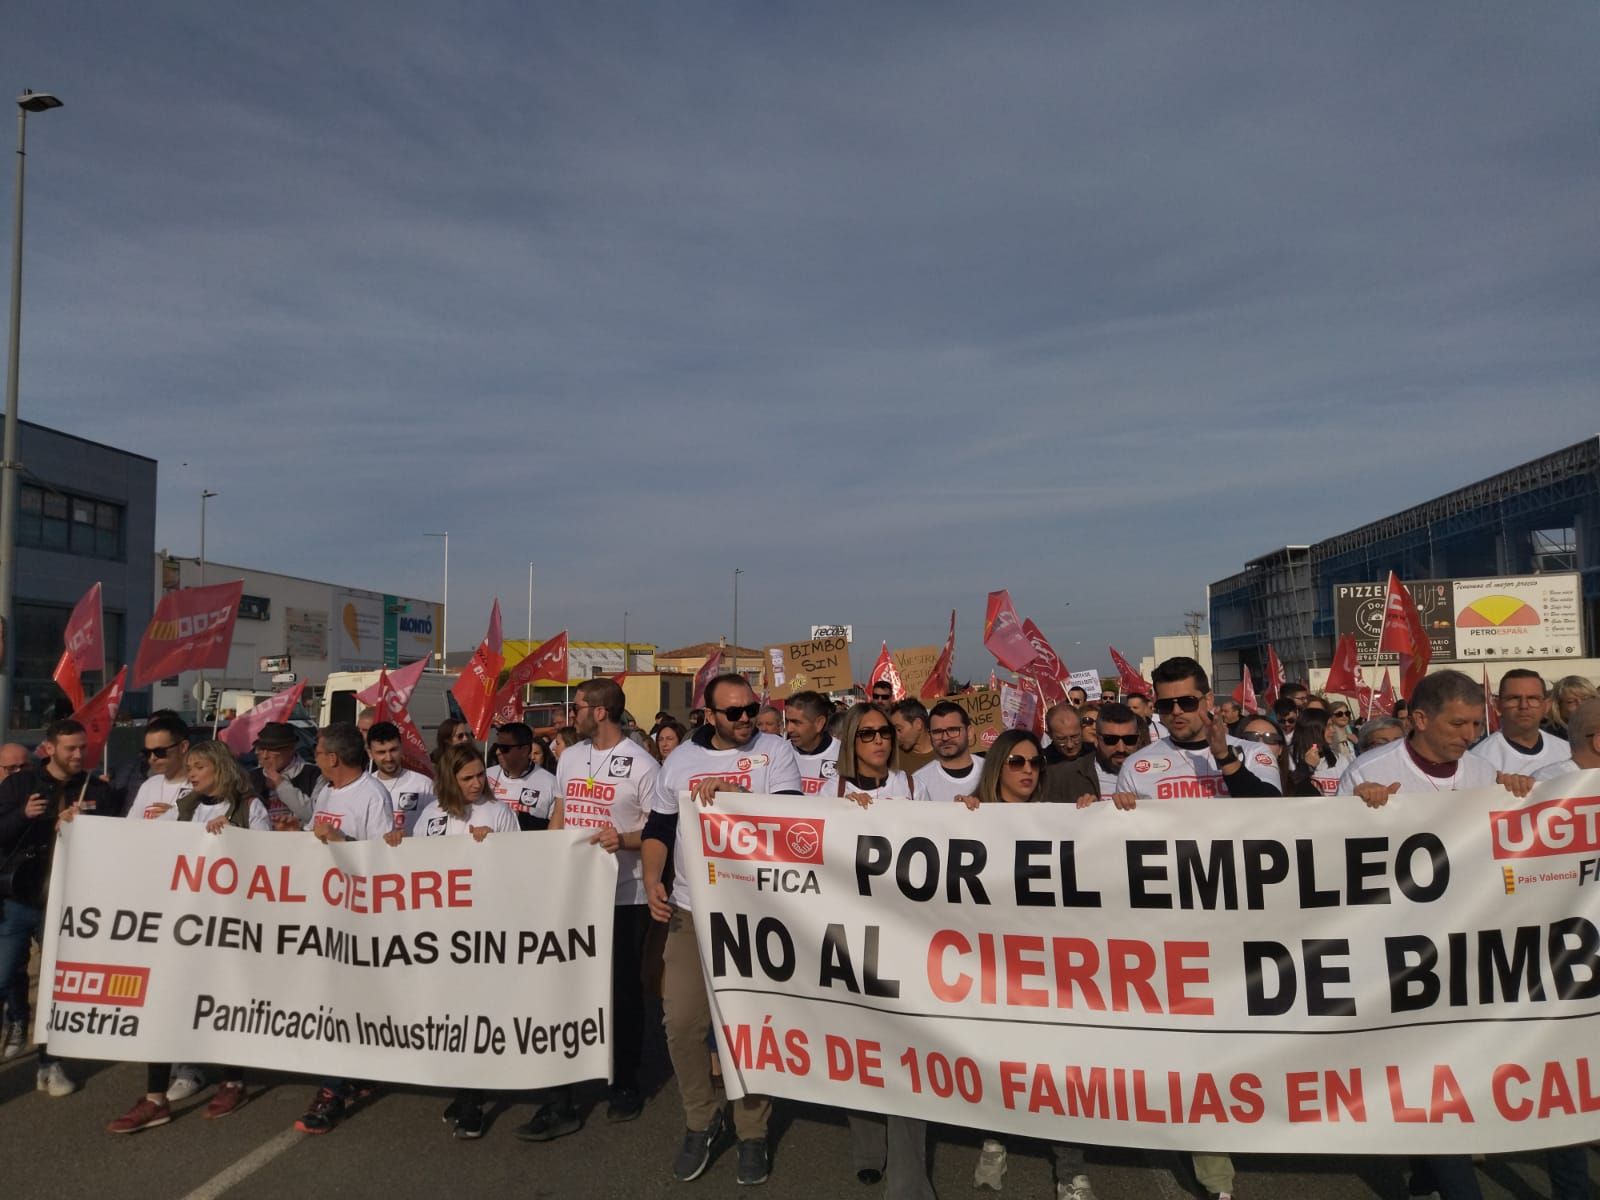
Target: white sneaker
1078 1189
15 1041
186 1081
55 1080
991 1168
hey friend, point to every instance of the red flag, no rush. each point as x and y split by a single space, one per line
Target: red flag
413 750
240 735
1403 633
549 662
97 716
1002 633
938 680
68 680
404 681
1046 668
1245 693
1275 676
884 668
1386 695
1491 714
708 671
994 684
475 688
1343 675
1132 681
85 634
192 630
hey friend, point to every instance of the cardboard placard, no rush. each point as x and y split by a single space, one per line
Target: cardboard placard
915 665
983 706
815 665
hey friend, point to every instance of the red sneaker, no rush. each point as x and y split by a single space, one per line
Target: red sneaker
230 1098
146 1114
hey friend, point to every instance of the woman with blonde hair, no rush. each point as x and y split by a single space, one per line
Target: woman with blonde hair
1566 694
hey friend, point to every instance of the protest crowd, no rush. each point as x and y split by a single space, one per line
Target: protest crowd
1166 740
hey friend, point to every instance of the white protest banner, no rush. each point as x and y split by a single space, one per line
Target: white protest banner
1089 681
443 961
1283 976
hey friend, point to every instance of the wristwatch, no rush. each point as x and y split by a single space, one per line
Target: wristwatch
1227 758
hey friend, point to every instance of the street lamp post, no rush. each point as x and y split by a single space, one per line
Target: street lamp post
625 663
444 658
200 686
530 608
736 573
28 102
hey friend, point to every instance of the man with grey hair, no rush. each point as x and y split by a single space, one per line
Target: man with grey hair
1583 728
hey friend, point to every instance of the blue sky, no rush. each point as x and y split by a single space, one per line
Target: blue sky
886 304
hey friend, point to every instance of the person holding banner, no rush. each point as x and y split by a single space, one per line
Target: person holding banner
1093 777
954 771
727 755
219 796
1520 745
166 749
529 791
409 791
286 783
805 719
31 804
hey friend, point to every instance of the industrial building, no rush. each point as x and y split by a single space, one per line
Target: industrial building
1538 519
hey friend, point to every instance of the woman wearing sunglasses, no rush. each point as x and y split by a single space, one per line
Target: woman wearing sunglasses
879 1146
1260 731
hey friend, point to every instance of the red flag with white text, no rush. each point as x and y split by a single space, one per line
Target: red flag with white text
85 643
1002 633
548 662
391 707
240 735
938 681
404 681
1245 693
67 678
475 688
708 671
1404 634
885 669
97 717
192 630
1132 681
1046 668
1344 675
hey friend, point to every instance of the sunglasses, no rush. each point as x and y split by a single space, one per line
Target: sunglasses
875 734
1025 760
502 747
1266 739
1119 739
739 712
1189 704
157 751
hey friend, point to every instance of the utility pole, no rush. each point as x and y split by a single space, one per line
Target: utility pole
1193 622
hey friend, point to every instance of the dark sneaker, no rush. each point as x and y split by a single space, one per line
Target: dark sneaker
549 1122
326 1109
229 1098
755 1162
695 1155
469 1122
624 1104
146 1114
453 1110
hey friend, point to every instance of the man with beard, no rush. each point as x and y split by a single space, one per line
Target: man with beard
955 768
805 718
1093 776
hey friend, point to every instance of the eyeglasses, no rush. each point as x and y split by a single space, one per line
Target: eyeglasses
1189 704
157 751
874 734
1025 760
1266 739
739 711
952 731
12 770
1119 739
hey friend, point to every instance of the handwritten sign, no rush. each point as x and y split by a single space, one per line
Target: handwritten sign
816 665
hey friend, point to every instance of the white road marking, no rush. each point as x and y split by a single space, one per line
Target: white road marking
247 1166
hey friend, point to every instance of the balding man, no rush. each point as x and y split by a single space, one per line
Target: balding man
14 1032
1583 735
1065 727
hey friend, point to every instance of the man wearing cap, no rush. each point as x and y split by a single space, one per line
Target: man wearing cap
286 783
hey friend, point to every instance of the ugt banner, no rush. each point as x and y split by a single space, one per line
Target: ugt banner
1285 976
443 961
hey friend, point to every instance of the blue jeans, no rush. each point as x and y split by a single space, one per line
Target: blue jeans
20 924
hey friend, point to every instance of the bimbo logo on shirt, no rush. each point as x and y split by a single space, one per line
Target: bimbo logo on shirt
761 839
101 983
1567 826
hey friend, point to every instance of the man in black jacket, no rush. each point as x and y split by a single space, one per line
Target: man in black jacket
31 802
286 783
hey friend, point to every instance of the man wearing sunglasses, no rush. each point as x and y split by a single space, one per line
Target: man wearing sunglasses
728 754
166 742
529 791
955 769
1093 776
1197 757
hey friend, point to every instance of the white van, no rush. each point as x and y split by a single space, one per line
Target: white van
428 706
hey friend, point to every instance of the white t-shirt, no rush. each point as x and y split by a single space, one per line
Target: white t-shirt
409 792
1165 770
1511 759
897 787
487 813
1392 764
158 789
1327 778
1108 781
819 770
1557 770
766 764
933 782
360 810
259 819
615 787
533 794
